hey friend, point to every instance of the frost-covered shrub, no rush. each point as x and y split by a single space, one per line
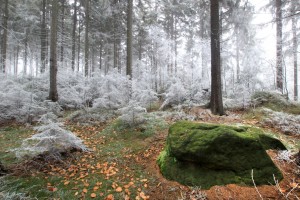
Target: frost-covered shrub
15 102
274 98
285 155
71 89
133 114
175 94
143 94
285 122
113 90
92 115
51 139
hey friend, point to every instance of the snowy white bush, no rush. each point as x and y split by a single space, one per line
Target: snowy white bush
274 97
16 103
285 155
72 88
92 115
132 114
175 94
143 94
285 122
51 139
113 90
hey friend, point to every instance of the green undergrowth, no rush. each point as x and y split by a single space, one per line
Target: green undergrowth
10 138
114 144
204 155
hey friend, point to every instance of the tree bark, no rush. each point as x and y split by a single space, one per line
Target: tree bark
26 52
53 95
295 49
279 70
62 32
129 38
216 103
43 38
86 45
4 38
74 36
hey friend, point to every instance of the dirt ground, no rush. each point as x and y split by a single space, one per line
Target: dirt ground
288 188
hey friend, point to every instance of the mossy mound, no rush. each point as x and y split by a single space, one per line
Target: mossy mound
208 154
275 101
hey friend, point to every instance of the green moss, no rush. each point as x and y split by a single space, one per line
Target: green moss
210 154
276 102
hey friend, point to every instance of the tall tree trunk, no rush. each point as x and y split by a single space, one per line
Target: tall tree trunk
16 58
79 46
53 95
295 50
86 45
74 35
43 38
100 55
279 68
4 37
216 102
62 32
238 70
129 38
115 42
26 52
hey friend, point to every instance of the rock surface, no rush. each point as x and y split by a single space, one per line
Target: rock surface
209 154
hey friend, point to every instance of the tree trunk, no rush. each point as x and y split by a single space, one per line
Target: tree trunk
62 32
16 59
216 104
129 38
43 38
115 43
295 48
279 70
238 70
4 38
86 45
53 95
74 35
26 52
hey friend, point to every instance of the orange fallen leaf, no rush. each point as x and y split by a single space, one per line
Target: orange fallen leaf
85 190
52 189
119 189
93 195
110 197
66 182
95 188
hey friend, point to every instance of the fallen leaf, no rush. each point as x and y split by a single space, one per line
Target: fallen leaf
93 195
95 188
119 189
85 190
66 182
52 189
110 197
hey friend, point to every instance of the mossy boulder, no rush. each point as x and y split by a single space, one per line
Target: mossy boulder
209 154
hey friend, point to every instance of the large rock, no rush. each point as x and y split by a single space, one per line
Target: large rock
209 154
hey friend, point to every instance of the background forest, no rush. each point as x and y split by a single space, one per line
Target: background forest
89 90
170 52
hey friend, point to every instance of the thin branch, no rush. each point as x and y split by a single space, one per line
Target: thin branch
255 185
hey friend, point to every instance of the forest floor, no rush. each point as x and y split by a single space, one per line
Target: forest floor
122 165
